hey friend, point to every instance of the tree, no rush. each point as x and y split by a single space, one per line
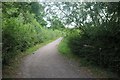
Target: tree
38 10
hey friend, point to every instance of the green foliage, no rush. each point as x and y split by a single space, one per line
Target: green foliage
99 46
38 10
56 24
98 41
63 46
22 31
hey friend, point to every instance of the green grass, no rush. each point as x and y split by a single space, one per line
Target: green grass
95 70
11 69
63 47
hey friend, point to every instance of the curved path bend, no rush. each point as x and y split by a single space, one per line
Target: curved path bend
46 62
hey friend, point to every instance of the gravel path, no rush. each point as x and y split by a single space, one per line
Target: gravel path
46 62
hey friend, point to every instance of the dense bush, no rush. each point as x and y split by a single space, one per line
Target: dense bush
98 39
98 46
18 37
22 30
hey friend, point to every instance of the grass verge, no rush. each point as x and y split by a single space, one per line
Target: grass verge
10 70
95 70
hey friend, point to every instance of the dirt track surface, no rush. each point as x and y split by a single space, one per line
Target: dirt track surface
46 62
